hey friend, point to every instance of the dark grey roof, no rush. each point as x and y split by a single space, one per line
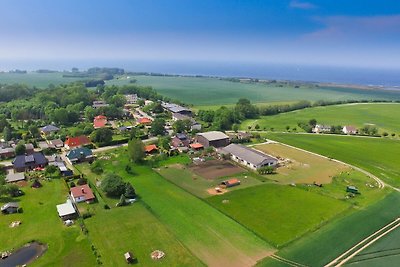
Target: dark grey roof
10 205
49 129
174 107
248 154
22 161
214 135
79 153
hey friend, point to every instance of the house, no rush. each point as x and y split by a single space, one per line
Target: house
23 163
45 145
196 146
10 207
319 128
194 125
67 211
99 104
213 138
81 193
144 121
174 108
131 99
15 177
148 102
7 152
49 129
349 130
74 142
230 183
180 140
80 154
150 149
57 143
29 148
249 157
99 121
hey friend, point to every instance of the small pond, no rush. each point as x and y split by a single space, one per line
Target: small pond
24 255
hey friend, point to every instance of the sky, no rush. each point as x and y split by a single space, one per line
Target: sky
348 33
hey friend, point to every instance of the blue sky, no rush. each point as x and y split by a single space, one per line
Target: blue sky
330 32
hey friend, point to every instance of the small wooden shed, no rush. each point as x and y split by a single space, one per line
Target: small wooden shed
129 257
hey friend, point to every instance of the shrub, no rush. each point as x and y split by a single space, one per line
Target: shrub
106 207
81 181
86 215
113 185
266 170
20 210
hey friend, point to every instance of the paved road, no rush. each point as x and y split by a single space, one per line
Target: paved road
105 148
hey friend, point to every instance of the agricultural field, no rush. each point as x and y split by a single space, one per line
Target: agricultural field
40 80
193 222
379 156
40 222
214 92
384 116
301 167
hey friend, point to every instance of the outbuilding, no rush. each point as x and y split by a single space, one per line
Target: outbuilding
213 138
10 207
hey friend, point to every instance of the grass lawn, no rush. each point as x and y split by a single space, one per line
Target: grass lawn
380 156
212 91
303 167
40 222
278 213
383 115
210 235
321 247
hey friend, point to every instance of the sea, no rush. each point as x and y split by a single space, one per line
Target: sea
366 76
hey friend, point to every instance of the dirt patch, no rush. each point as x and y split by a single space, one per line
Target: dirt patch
213 169
213 191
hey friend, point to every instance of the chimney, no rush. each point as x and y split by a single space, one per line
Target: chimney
83 190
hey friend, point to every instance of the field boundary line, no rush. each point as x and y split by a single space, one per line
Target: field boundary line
288 262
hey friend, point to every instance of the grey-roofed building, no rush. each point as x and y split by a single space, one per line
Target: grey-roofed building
57 143
48 129
174 108
10 207
15 177
99 104
180 117
22 163
213 138
29 148
131 99
66 211
7 152
79 155
249 157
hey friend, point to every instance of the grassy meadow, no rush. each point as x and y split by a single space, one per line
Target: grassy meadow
382 115
380 156
40 80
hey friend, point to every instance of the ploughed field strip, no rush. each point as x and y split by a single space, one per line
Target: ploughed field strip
213 169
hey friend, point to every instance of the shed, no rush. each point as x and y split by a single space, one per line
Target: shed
352 189
15 177
66 211
129 257
230 183
10 207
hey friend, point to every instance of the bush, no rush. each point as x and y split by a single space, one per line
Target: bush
72 184
96 167
106 207
266 170
128 169
81 181
20 210
113 185
86 215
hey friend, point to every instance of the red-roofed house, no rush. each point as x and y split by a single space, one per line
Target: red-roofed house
196 146
150 149
99 121
349 130
230 183
144 121
82 193
74 142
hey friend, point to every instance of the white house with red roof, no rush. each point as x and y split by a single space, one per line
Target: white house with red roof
81 193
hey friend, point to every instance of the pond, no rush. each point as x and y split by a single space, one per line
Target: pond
24 255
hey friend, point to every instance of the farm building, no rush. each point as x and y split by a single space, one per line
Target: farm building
74 142
319 128
49 129
15 177
174 108
10 207
99 122
131 99
67 211
194 125
7 152
23 163
349 130
80 154
249 157
213 138
150 149
81 193
230 183
180 140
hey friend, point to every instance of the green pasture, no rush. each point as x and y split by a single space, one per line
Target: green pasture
40 80
212 91
382 115
40 221
380 156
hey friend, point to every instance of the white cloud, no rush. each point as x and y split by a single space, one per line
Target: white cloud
301 5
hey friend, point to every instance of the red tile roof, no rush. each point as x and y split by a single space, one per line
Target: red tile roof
77 141
82 190
196 145
99 121
144 121
150 148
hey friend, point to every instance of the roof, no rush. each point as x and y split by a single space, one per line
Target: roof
10 205
174 107
37 158
6 150
82 190
77 141
196 145
57 142
181 136
213 135
65 209
15 177
144 120
100 117
150 148
29 146
231 181
350 128
78 153
248 154
99 121
49 129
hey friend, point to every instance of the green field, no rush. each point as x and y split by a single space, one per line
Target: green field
383 115
380 156
40 80
40 222
207 233
215 92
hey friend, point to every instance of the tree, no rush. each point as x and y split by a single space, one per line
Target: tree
34 130
7 134
235 127
385 134
163 143
20 149
96 167
157 108
287 128
312 122
51 169
246 109
129 191
157 127
136 150
102 136
118 100
113 185
266 170
257 127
